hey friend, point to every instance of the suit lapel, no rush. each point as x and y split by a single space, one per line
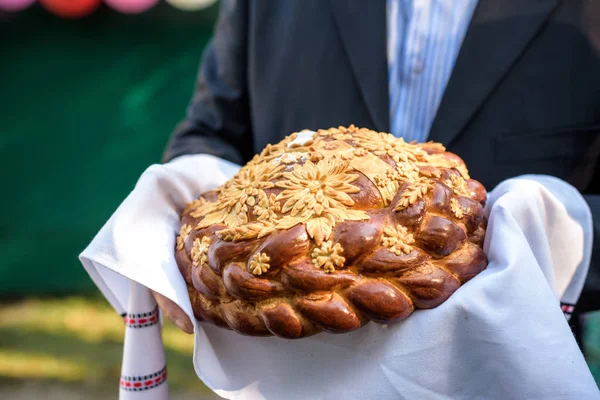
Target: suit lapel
362 28
498 34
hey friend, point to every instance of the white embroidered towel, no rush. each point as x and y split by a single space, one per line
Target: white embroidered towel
500 336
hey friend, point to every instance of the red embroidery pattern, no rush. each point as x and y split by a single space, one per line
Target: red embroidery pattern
146 382
142 320
567 308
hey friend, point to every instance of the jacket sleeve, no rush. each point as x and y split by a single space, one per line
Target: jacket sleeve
590 296
217 120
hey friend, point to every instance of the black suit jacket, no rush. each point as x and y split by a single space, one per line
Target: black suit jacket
524 95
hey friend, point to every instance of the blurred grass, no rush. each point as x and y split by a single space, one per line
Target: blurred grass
78 340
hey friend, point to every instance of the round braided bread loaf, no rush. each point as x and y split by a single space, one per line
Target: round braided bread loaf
330 229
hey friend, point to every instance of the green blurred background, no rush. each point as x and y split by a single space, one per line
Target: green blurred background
85 106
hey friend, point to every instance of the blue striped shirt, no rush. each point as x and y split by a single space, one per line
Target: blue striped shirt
424 38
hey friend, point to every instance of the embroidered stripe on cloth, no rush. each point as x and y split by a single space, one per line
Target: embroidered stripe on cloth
144 367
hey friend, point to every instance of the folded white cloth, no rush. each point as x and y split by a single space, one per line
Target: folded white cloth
500 336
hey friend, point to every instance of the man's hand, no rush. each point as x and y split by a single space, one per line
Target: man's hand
173 313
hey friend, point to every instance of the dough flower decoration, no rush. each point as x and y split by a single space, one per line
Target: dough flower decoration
388 144
245 191
328 256
407 171
456 209
397 239
318 195
259 263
